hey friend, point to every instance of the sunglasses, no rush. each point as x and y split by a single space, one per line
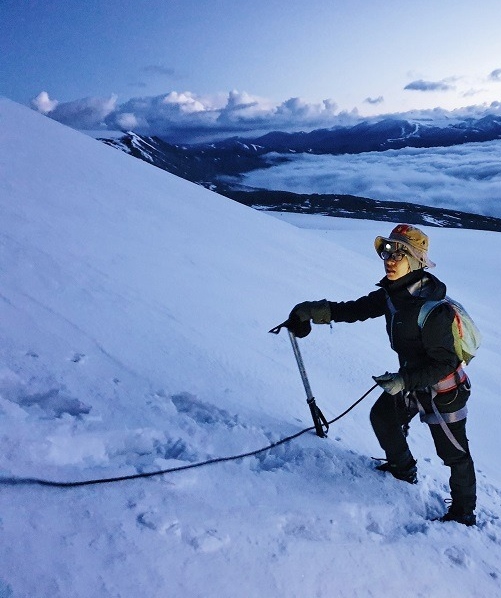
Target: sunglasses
392 251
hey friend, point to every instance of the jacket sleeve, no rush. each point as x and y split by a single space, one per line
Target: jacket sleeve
372 305
438 342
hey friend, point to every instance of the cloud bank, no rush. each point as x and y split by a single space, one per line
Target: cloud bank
186 117
87 113
464 177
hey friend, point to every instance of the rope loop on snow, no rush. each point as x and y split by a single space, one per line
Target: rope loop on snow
54 484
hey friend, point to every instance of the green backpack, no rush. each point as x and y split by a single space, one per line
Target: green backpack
467 337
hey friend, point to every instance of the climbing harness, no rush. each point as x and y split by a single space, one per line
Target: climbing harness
442 419
439 418
452 381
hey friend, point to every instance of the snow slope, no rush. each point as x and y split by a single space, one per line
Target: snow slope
133 338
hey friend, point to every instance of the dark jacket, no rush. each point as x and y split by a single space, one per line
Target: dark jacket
425 356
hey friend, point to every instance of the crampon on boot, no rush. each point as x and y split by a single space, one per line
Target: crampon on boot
407 473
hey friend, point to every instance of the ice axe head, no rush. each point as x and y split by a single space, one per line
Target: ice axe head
298 328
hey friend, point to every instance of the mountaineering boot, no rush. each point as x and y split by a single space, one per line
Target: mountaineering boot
407 473
459 515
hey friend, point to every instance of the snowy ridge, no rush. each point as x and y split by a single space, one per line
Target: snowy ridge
134 310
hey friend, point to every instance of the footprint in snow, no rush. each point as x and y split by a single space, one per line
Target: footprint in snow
55 403
54 400
77 357
457 556
202 413
302 527
206 541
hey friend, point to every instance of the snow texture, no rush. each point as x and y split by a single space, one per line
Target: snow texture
134 310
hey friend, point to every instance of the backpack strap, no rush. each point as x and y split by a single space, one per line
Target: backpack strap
389 303
426 309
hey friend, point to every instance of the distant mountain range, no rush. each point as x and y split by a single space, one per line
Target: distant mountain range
375 137
210 164
204 163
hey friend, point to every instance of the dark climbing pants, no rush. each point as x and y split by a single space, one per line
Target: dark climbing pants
390 414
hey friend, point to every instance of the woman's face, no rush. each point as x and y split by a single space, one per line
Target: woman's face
395 269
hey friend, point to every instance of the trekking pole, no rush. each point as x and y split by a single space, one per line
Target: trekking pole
318 417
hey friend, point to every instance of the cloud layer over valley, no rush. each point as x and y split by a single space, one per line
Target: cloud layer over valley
465 177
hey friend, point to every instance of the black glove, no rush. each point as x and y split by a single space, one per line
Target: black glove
297 326
391 383
300 316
